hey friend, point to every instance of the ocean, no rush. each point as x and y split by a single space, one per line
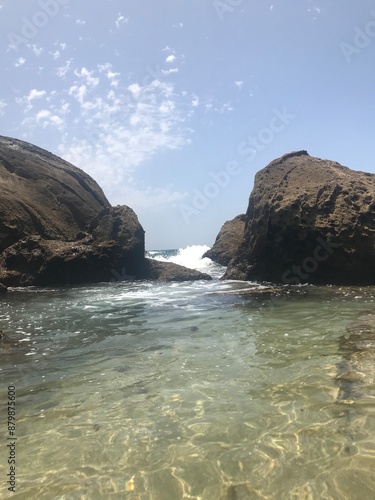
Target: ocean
216 390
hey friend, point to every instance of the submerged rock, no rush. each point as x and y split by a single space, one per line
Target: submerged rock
58 228
308 220
227 241
356 371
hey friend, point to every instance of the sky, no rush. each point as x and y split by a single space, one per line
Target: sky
172 106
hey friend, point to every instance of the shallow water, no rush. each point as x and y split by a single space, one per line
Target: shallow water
208 390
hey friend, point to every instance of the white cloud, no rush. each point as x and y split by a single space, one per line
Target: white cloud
111 75
170 58
45 118
37 50
221 109
56 55
167 107
315 11
80 22
78 92
239 84
110 131
62 71
225 108
3 105
35 94
20 62
63 108
135 90
121 20
118 131
195 101
87 75
169 71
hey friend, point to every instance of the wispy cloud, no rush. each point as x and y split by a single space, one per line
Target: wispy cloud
35 94
56 54
20 62
215 107
121 20
169 71
147 197
46 118
27 102
3 105
315 10
38 51
112 76
110 129
62 71
118 130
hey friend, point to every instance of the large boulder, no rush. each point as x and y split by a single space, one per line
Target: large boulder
43 194
308 220
227 241
58 228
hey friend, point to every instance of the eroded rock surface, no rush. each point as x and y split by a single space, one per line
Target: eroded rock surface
308 220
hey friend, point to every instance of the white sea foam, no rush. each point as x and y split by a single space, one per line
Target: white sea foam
191 257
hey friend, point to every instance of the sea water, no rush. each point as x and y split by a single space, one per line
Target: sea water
216 390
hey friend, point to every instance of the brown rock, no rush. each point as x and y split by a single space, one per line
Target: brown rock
308 220
168 271
227 241
43 194
58 228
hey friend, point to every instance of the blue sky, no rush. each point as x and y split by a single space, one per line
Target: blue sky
174 105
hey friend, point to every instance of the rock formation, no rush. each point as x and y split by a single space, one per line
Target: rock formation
57 226
308 220
227 241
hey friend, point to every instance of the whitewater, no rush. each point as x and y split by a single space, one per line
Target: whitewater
215 390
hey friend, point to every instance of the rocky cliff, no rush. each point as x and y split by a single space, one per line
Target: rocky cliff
308 220
57 226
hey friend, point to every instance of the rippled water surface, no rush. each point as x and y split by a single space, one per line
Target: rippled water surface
214 391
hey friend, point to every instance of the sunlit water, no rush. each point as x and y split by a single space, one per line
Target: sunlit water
207 390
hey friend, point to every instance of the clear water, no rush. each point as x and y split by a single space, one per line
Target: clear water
207 390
